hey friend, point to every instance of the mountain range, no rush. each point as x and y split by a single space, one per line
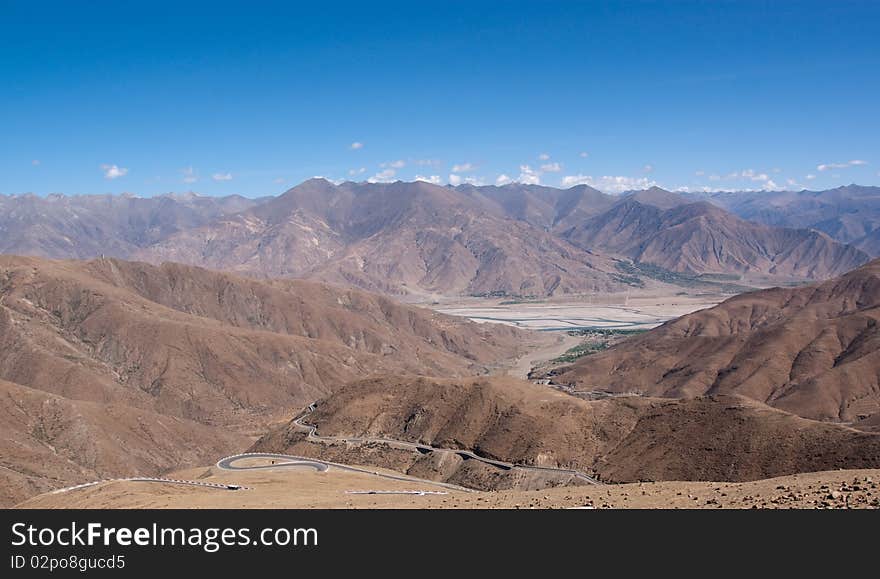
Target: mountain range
813 351
850 214
85 226
700 238
420 241
115 368
772 382
112 368
624 439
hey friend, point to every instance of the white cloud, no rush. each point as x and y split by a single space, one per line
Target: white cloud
749 174
583 154
829 166
463 168
543 157
189 175
356 145
113 171
572 180
222 176
648 168
700 173
399 164
551 167
358 171
455 180
435 179
609 183
384 176
427 162
686 189
754 176
528 176
503 179
810 177
278 180
35 162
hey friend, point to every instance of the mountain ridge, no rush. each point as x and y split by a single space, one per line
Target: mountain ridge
419 240
810 350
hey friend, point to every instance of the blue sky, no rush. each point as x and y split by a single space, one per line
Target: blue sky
255 97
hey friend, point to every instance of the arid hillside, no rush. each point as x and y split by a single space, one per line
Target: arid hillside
544 207
700 238
86 226
49 441
180 345
422 241
850 213
398 238
620 439
813 351
419 239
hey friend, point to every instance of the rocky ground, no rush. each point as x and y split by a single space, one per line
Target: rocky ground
295 488
826 490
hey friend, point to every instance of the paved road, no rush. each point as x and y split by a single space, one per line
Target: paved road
171 481
312 434
285 460
288 461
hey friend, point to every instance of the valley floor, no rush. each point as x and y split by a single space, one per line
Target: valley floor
639 311
557 317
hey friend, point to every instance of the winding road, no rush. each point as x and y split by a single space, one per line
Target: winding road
229 463
171 481
312 434
288 461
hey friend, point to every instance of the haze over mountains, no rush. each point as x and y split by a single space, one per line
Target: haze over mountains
850 214
700 238
421 240
85 226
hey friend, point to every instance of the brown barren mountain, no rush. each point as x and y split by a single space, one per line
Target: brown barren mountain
544 207
421 240
850 214
86 226
813 351
622 439
400 238
48 441
700 238
174 347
